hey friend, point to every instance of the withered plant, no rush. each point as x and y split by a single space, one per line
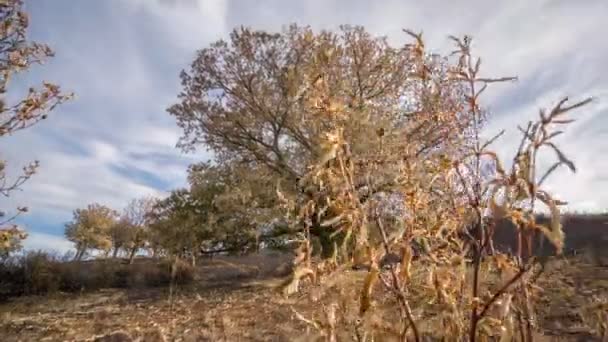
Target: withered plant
445 193
378 155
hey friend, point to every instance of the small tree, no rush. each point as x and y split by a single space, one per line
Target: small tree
239 200
90 229
176 225
135 221
17 54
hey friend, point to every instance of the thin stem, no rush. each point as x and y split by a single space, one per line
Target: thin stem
477 265
502 290
398 289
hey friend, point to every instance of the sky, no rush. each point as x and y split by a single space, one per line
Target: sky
122 58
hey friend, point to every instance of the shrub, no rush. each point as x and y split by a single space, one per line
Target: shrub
39 273
184 273
449 194
89 275
30 273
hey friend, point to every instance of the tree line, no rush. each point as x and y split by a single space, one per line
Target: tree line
220 211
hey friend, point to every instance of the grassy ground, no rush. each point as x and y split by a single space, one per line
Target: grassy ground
234 299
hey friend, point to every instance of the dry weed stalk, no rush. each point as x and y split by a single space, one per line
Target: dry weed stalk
455 287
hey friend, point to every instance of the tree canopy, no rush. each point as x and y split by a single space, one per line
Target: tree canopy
264 97
90 228
284 102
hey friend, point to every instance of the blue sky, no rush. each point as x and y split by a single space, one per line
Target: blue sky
122 58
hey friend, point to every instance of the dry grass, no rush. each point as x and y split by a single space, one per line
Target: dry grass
234 300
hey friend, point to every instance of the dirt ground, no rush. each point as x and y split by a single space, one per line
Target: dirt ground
235 299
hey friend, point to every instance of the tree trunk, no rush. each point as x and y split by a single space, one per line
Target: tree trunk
541 243
80 252
193 259
115 253
132 255
327 244
327 241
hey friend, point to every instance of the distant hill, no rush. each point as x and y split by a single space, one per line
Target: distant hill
583 232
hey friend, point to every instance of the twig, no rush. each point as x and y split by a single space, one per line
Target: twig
502 290
397 285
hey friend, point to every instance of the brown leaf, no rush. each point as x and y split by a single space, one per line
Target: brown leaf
368 285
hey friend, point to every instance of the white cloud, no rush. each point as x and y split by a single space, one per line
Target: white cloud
47 242
86 148
187 24
66 182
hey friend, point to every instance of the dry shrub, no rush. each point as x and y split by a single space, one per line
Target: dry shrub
32 273
39 273
88 276
161 275
452 191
